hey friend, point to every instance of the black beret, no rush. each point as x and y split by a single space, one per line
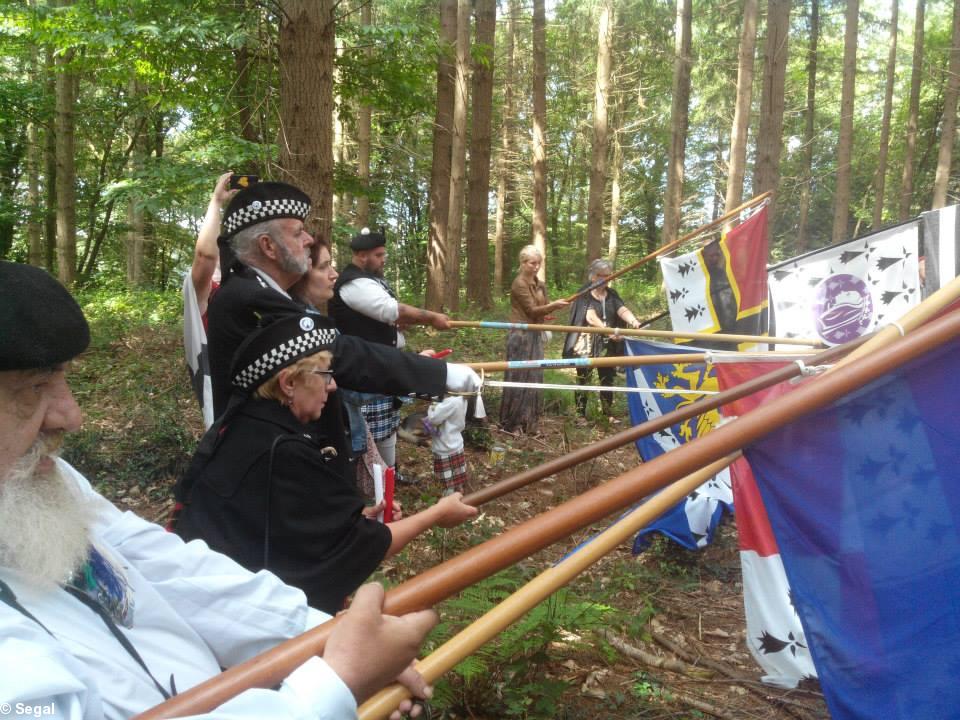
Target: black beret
277 345
264 201
366 240
41 324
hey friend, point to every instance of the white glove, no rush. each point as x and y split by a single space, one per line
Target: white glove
461 378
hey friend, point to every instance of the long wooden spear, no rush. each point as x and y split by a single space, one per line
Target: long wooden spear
512 608
640 332
612 442
634 360
511 546
675 244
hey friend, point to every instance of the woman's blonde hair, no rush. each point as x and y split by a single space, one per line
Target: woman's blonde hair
270 390
528 251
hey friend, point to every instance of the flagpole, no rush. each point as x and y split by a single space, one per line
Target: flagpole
640 332
663 249
612 442
502 551
512 608
634 360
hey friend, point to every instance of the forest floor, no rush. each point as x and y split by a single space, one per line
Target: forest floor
659 635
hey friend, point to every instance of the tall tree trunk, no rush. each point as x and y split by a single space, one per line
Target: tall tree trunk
841 208
440 173
34 153
539 230
808 129
458 155
50 163
505 188
66 168
598 166
613 241
913 115
478 261
948 127
881 179
135 219
338 207
364 121
307 49
679 120
741 110
766 171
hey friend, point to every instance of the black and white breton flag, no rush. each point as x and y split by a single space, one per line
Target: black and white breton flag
940 231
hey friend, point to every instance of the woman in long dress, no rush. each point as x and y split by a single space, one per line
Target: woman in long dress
521 407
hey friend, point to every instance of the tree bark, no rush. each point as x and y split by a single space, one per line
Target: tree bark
741 110
458 155
598 166
613 241
364 124
539 231
440 172
679 120
841 208
766 171
808 129
478 261
948 127
66 98
35 254
50 164
505 188
307 48
881 179
913 115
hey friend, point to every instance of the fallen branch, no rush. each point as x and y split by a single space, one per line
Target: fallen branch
651 660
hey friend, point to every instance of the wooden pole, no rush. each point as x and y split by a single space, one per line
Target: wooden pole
519 542
512 608
604 445
663 249
634 360
642 332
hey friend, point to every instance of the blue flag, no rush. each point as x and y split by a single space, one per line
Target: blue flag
692 522
864 501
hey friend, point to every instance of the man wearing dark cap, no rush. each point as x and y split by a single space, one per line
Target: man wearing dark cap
365 305
103 614
265 250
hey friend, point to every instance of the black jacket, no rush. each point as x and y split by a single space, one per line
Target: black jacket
350 321
271 498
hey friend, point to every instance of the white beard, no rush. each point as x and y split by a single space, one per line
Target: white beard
44 520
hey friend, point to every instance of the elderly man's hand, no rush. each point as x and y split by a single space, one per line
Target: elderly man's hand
368 649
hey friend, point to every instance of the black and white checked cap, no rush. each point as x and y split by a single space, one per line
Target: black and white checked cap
264 201
274 347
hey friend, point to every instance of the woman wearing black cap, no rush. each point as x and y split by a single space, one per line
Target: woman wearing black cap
264 488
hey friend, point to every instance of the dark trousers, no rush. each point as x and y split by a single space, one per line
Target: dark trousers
606 378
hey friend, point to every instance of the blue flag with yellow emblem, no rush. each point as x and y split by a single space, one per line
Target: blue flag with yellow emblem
692 522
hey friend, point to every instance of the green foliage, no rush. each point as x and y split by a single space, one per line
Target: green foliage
507 678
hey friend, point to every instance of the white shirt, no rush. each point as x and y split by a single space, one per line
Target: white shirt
449 417
368 297
195 610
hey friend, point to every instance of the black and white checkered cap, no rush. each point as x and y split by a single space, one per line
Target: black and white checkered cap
274 347
264 201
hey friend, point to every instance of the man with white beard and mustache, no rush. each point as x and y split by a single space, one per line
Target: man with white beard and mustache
104 615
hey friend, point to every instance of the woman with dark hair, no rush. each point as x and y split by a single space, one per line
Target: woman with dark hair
521 407
265 486
601 307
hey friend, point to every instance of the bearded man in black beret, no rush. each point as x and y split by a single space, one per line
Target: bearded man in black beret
103 614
